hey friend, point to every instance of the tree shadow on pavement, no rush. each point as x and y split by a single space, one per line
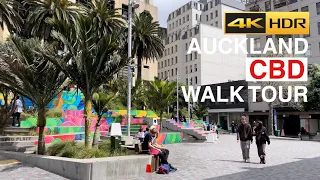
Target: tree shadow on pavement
303 169
14 167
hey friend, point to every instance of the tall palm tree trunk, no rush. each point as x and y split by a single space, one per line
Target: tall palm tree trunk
96 133
41 124
87 117
139 67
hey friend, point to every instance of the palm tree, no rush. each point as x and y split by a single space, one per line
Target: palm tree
89 60
101 104
6 109
160 95
9 13
200 110
41 11
26 70
104 17
146 42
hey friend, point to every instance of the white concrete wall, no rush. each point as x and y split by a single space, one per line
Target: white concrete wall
218 67
313 124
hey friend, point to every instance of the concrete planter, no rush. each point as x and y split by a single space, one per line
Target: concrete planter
122 167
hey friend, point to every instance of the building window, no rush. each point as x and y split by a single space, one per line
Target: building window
197 16
168 62
305 9
195 68
207 17
165 52
186 46
172 25
158 75
308 53
268 5
190 81
211 15
318 27
187 82
216 23
196 80
162 64
195 55
179 21
200 17
171 72
161 75
168 73
165 63
176 71
319 46
176 48
188 17
176 60
165 75
211 4
183 19
216 2
186 69
296 10
216 13
257 43
318 7
186 58
190 68
171 49
171 61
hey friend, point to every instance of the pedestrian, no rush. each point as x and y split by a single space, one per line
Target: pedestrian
140 135
233 128
245 136
254 127
261 139
18 109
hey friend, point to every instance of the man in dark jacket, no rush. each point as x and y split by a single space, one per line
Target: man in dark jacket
261 139
245 136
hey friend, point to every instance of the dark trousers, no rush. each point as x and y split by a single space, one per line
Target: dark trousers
16 115
261 150
163 155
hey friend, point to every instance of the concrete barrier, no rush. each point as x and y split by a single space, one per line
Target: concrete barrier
122 167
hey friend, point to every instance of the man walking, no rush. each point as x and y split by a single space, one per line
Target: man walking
18 109
245 136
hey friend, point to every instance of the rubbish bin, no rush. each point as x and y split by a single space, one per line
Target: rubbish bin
115 142
278 133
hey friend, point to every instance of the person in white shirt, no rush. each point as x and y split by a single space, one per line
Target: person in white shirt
18 109
140 135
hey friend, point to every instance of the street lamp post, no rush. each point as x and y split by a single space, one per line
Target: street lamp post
131 4
177 95
188 101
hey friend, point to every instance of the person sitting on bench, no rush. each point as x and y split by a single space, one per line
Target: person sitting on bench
148 145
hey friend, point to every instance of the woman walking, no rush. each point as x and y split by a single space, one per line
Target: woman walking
261 139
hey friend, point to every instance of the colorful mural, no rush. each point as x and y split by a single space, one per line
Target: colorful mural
2 98
170 138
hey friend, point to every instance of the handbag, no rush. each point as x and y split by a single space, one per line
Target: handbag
154 151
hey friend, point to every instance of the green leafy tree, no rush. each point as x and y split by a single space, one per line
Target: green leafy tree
89 60
26 70
138 99
101 103
104 17
9 12
160 96
146 42
200 110
313 87
40 12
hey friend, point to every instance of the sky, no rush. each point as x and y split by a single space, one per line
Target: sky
165 7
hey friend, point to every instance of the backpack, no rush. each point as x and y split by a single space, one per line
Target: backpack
164 169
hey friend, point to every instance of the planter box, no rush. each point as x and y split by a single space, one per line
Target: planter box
121 167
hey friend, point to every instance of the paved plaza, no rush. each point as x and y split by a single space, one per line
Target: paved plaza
286 159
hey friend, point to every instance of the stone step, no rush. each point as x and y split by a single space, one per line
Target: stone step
16 130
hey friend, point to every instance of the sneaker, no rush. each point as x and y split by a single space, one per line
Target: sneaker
244 160
248 161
